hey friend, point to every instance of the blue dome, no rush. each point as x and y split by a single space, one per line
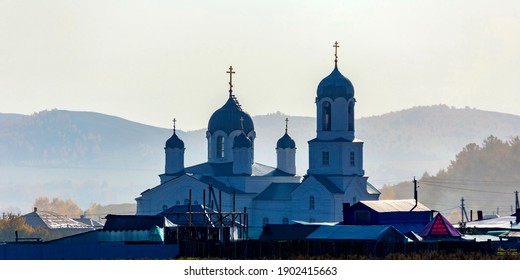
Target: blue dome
242 141
175 142
285 142
228 117
335 85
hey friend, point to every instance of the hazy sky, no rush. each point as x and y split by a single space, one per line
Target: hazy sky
151 61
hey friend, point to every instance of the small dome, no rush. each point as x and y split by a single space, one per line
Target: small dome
242 141
228 117
285 142
175 142
335 85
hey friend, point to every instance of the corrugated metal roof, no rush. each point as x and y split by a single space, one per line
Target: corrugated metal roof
404 205
506 222
277 191
51 220
350 232
287 232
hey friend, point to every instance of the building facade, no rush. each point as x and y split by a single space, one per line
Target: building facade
231 180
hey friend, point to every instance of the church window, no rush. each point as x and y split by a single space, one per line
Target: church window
312 220
186 201
196 202
325 158
164 207
220 146
265 221
352 159
285 221
351 117
311 202
177 202
326 116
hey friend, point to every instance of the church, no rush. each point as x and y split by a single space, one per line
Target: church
271 195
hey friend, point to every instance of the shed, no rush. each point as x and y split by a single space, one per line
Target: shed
440 229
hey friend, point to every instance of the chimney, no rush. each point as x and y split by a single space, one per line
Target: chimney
35 209
346 206
479 215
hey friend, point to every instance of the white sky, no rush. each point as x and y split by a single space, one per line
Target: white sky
151 61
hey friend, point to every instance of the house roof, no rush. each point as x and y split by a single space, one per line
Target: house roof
89 222
277 191
404 205
439 227
352 232
505 222
135 222
287 232
51 220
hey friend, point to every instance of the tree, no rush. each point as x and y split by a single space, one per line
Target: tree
63 207
11 223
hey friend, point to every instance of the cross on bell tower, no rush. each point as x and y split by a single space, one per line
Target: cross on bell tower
174 121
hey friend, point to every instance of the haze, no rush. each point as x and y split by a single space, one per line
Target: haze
151 61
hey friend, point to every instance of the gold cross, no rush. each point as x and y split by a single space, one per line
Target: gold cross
336 46
286 124
230 72
174 121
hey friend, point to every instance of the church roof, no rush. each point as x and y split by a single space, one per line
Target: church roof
241 141
340 139
277 191
322 179
174 142
335 85
285 142
227 118
226 169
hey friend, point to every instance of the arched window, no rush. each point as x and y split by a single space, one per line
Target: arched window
352 159
325 158
326 116
220 146
311 202
164 207
265 221
177 202
285 221
186 201
351 116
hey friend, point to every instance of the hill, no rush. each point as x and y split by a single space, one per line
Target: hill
97 158
485 175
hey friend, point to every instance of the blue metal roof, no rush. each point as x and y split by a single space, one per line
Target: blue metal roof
277 191
227 118
353 232
285 142
335 85
135 222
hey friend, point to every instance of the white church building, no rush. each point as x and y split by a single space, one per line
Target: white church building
275 195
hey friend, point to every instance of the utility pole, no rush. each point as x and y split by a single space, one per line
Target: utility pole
415 187
463 210
516 200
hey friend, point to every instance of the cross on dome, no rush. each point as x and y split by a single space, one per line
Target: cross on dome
286 124
230 72
174 121
336 46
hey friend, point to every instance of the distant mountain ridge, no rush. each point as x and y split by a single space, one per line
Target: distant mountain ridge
93 157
